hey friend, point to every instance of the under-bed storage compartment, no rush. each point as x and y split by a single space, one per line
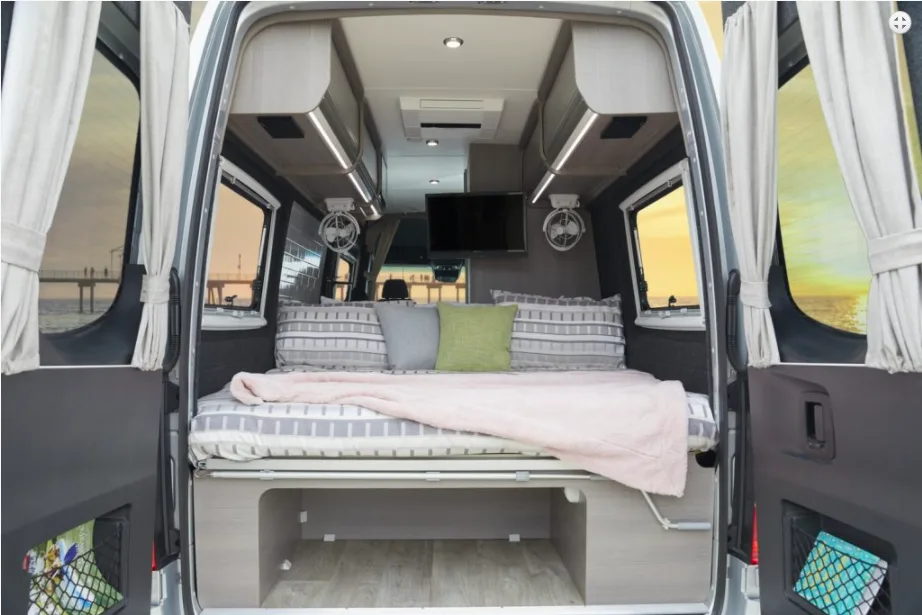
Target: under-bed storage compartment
402 543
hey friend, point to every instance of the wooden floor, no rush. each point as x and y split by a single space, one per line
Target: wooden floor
421 573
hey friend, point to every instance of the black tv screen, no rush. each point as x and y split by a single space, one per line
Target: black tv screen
461 225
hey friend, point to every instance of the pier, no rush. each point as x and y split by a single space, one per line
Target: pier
87 280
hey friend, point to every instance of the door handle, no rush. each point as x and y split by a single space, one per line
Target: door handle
818 423
816 429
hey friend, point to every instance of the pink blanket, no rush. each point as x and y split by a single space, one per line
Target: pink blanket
625 425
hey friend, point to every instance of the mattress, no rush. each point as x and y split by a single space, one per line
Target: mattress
227 429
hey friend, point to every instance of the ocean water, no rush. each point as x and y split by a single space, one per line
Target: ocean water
848 313
56 315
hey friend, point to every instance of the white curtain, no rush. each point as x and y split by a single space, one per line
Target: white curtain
378 240
164 120
749 122
51 49
860 94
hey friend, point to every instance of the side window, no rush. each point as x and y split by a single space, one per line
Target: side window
664 255
343 277
302 263
423 286
241 234
824 248
82 267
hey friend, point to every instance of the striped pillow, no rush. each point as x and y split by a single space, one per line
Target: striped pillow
577 337
326 301
501 297
341 336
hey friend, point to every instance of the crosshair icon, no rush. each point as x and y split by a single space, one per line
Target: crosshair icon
900 22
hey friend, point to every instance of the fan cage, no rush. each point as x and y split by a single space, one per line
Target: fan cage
339 221
563 217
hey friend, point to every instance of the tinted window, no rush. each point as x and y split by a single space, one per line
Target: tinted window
667 261
82 266
423 286
237 245
824 248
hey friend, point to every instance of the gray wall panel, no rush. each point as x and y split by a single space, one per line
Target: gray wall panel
543 270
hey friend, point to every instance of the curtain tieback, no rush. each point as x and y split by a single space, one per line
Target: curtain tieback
895 251
22 247
155 289
755 294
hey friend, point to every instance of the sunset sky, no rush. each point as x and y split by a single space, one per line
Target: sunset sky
665 244
823 245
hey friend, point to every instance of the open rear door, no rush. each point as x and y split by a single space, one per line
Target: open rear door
81 432
836 444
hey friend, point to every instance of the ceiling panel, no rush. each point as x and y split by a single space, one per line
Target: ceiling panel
403 55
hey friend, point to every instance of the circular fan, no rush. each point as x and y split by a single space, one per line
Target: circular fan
340 231
563 229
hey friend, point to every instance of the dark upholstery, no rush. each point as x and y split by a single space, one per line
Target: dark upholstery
394 290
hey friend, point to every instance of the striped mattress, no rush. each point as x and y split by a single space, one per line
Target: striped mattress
227 429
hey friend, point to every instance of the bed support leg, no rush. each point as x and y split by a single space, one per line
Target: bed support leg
681 526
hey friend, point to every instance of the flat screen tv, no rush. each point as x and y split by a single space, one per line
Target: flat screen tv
471 224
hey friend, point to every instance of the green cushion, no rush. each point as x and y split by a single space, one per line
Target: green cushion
475 338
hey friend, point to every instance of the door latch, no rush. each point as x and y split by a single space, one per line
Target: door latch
818 425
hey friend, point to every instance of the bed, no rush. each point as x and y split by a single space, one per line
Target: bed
227 429
262 470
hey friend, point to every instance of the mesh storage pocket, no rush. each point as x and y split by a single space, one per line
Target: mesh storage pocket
830 575
78 572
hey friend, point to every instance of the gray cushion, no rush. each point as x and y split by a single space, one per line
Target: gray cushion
411 335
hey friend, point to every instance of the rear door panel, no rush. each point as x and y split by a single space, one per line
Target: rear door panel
82 434
81 444
860 480
835 445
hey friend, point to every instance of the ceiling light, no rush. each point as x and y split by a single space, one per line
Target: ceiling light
433 181
432 142
453 42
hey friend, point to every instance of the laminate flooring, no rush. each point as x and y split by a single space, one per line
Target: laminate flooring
423 573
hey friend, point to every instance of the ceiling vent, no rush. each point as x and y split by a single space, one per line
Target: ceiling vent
623 126
450 118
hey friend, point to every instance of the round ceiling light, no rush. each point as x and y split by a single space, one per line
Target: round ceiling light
432 142
453 42
433 181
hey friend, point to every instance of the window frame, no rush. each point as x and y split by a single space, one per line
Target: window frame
680 318
242 318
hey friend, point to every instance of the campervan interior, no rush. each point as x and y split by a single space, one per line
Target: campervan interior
341 133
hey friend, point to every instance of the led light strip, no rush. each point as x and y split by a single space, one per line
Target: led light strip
323 127
585 123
